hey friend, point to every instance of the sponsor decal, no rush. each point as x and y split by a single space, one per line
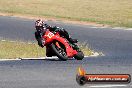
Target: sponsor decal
82 78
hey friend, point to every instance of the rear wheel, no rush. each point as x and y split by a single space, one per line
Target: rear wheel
79 55
59 51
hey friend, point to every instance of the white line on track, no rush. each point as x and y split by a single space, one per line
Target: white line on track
9 59
94 27
117 28
98 27
42 58
106 86
3 40
12 41
129 29
39 58
54 57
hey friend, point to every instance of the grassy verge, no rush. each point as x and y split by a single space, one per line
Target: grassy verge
19 49
112 12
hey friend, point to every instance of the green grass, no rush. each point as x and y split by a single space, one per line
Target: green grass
18 49
112 12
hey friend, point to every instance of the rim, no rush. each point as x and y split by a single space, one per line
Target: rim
61 51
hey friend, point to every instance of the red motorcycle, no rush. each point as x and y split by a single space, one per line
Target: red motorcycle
59 46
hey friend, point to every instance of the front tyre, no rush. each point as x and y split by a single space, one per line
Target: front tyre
79 55
60 52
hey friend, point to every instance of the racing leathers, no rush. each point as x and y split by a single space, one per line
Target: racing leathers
39 33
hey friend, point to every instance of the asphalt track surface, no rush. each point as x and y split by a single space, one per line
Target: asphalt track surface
116 44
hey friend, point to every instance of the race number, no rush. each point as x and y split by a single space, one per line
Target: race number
50 34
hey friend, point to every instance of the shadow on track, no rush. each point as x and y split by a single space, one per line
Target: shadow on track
48 59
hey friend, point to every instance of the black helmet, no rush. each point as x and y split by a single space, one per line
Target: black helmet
39 22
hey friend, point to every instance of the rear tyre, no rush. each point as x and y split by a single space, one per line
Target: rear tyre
79 55
60 53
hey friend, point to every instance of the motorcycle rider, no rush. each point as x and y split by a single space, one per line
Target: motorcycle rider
41 27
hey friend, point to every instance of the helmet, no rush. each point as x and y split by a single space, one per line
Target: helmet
39 23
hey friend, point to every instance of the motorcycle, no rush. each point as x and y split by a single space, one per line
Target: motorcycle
59 46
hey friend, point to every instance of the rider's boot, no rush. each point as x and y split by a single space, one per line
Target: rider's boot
74 46
73 40
49 52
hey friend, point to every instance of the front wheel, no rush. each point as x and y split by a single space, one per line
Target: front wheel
79 55
59 51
